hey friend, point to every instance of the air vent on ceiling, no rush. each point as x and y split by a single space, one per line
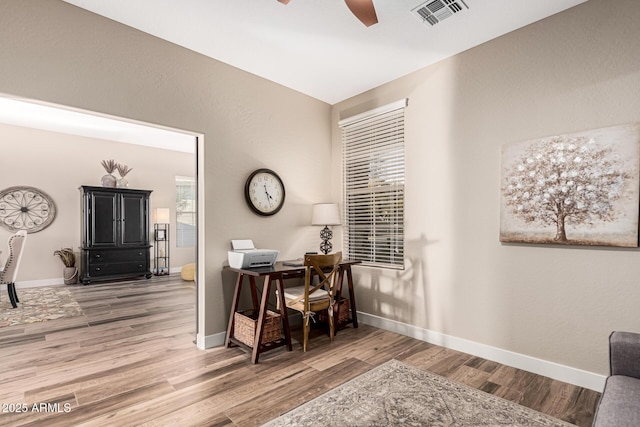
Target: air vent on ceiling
434 11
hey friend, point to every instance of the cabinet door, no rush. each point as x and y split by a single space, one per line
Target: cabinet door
134 229
103 219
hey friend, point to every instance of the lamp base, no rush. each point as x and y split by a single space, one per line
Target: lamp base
325 235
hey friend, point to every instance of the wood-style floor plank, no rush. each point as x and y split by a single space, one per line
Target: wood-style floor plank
130 360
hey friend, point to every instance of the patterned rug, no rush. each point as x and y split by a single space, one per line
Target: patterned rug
396 394
38 305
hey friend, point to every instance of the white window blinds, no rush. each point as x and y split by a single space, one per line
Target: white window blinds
373 187
185 211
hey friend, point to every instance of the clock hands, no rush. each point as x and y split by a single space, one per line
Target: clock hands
269 198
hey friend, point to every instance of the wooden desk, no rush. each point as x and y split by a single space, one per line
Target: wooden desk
278 272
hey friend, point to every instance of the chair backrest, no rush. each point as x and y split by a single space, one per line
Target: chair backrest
16 245
325 267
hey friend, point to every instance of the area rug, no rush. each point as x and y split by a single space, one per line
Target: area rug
38 305
396 394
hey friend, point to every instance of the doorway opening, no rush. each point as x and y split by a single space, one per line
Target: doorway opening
137 139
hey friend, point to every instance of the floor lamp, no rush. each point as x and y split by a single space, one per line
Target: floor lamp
161 238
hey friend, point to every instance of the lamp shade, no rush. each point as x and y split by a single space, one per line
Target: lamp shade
161 215
325 214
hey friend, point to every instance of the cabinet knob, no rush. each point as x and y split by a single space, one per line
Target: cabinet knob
98 255
97 268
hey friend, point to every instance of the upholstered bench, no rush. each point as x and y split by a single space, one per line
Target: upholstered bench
619 405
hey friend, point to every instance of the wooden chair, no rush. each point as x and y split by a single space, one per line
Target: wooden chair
10 271
309 298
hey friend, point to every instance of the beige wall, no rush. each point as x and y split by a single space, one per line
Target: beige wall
58 164
575 71
56 52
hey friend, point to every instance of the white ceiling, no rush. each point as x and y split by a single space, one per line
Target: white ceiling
318 47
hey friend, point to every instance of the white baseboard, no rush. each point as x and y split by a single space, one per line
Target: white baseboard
23 284
38 283
204 342
553 370
545 368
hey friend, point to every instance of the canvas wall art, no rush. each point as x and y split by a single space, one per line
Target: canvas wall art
574 189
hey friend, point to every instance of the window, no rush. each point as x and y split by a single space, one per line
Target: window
185 211
373 187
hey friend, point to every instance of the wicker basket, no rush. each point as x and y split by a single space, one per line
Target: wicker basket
343 316
245 323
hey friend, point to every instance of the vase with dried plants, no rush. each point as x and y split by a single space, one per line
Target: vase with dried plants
70 271
123 170
109 180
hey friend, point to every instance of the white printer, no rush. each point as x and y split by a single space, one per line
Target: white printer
245 255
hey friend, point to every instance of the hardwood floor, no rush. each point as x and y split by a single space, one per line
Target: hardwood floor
131 361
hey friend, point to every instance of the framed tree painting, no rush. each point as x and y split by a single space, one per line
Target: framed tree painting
574 189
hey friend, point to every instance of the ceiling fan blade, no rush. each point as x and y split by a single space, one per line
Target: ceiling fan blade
284 1
363 10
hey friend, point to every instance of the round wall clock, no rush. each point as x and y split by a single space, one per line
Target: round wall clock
26 208
264 192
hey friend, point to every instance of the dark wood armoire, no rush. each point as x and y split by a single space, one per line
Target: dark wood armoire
115 234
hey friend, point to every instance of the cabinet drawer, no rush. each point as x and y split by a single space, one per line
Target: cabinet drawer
120 255
116 268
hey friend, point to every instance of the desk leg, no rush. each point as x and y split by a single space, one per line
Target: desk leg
283 313
352 297
263 313
254 292
336 297
234 308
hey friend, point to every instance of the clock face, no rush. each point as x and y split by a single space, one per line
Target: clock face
26 208
264 192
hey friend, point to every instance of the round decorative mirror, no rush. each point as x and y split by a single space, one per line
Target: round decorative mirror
26 208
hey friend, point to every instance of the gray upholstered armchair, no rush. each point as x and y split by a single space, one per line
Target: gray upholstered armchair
9 272
620 402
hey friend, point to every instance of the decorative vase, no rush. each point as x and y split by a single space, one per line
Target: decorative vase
70 275
109 181
122 183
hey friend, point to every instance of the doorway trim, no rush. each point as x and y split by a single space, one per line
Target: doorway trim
198 140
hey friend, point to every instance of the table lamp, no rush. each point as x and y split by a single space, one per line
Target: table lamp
325 214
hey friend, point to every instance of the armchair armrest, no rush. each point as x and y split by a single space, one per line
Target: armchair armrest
624 354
